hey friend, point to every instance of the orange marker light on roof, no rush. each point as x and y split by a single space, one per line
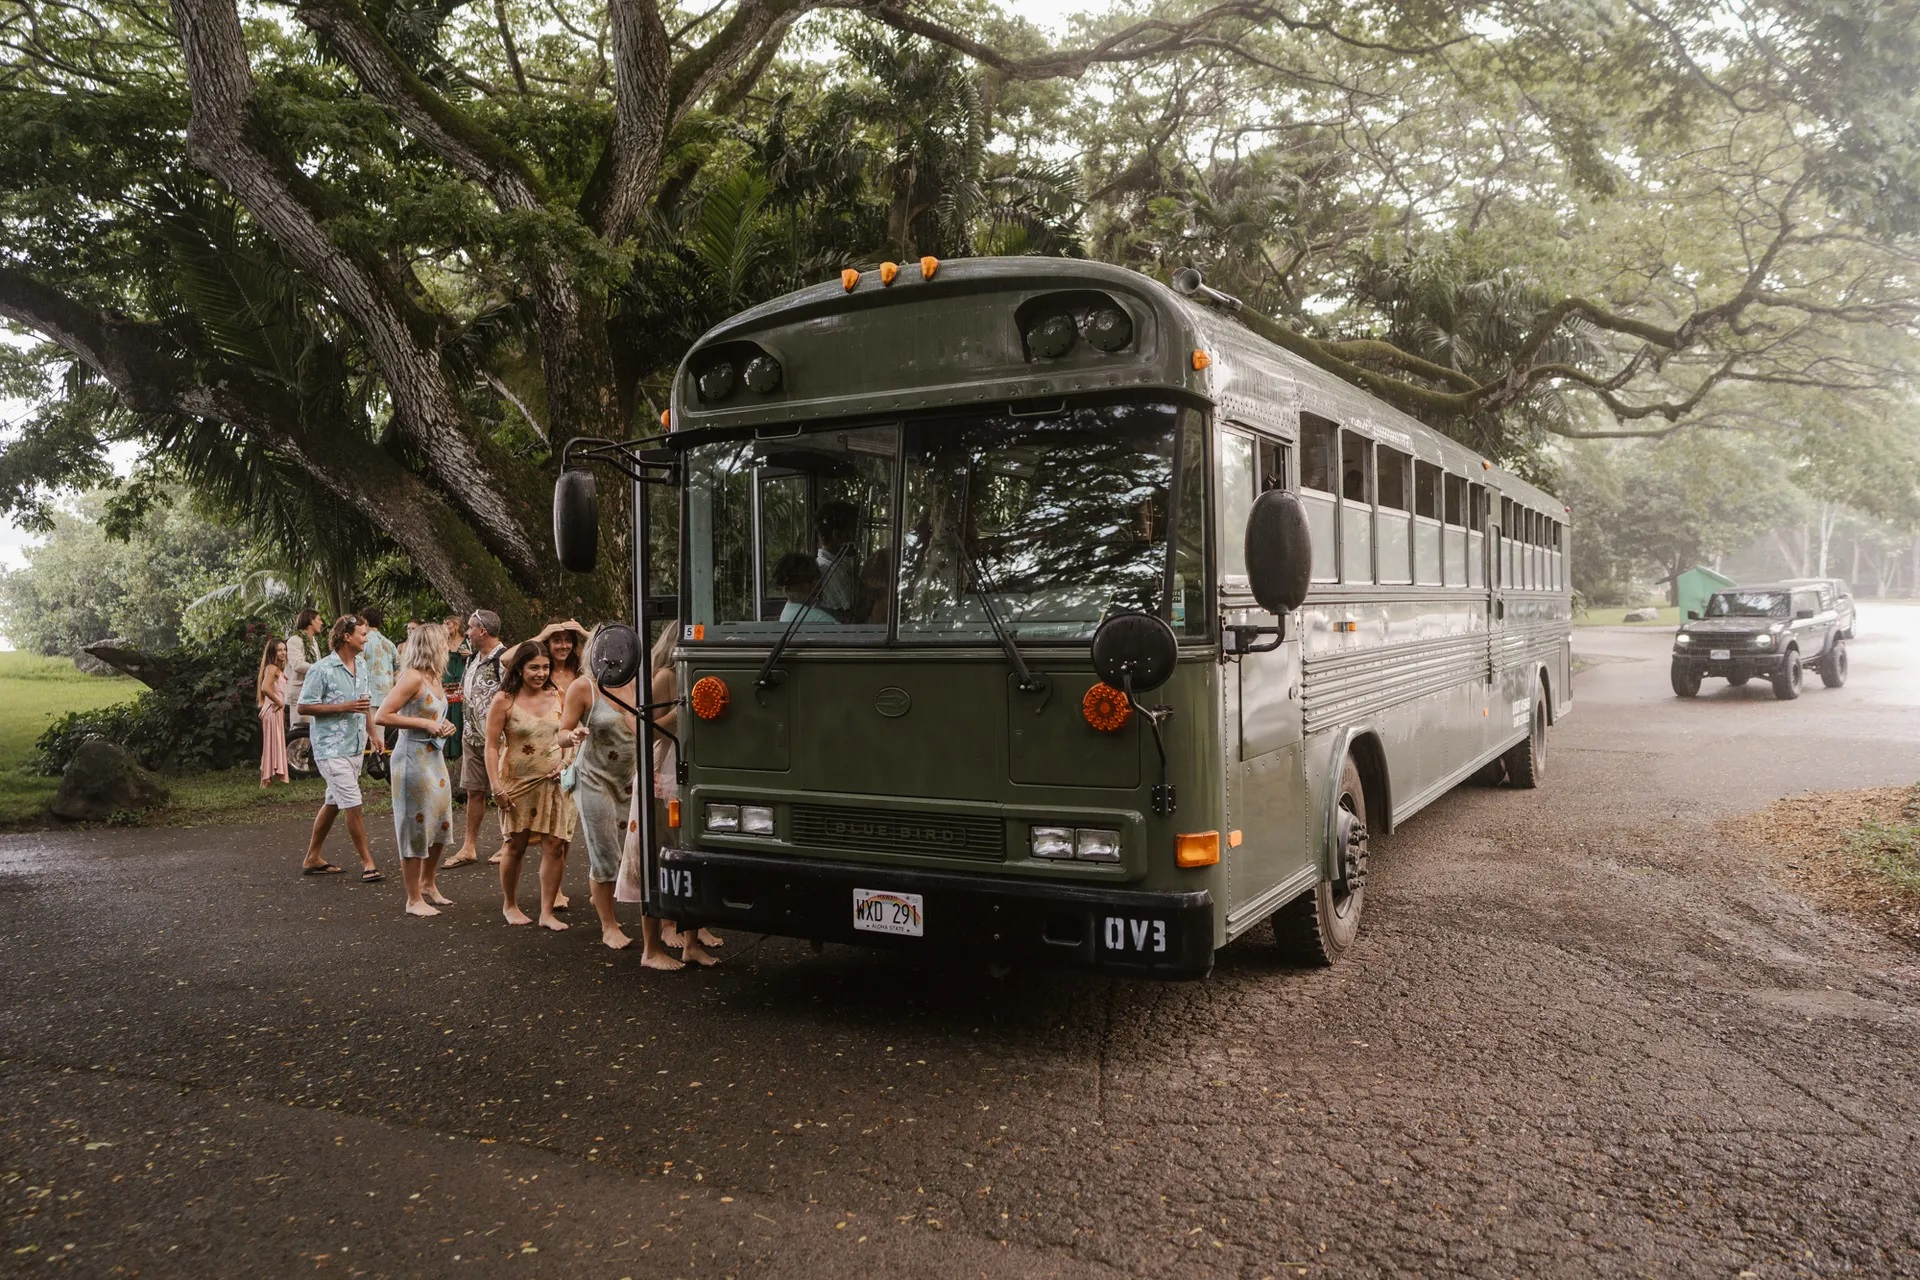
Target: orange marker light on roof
928 266
666 419
710 697
849 278
1201 359
888 270
1485 465
1197 849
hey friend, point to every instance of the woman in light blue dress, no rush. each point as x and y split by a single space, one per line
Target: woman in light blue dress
422 796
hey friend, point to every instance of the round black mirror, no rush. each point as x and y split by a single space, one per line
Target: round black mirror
576 521
1136 647
616 655
1279 551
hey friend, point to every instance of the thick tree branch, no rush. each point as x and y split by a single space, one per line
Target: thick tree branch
622 181
746 31
153 377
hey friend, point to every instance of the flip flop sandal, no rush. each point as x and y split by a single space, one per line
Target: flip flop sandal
324 869
371 877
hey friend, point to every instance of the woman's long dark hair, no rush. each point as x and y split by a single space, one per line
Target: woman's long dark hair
512 681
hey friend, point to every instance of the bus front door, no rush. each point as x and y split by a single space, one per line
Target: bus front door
1266 848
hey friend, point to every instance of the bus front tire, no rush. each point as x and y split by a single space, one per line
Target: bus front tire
1316 929
1787 682
1686 681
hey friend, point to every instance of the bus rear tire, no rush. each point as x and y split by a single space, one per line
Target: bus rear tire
1316 929
1527 760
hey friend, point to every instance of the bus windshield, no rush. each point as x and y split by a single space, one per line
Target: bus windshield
910 532
1747 604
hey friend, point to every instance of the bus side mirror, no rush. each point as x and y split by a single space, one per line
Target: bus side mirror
576 521
1135 649
1693 615
616 655
1279 551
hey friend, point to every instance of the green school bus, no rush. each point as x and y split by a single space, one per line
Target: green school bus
1033 609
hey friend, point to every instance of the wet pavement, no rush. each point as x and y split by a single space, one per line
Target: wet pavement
1583 1035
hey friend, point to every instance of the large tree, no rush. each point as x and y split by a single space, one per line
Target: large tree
403 248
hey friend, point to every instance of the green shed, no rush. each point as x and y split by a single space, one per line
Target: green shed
1695 585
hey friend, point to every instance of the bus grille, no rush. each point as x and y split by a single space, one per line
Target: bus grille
942 834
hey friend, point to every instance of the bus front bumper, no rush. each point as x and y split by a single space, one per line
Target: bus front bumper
1004 918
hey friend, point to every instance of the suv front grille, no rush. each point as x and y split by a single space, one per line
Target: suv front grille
884 831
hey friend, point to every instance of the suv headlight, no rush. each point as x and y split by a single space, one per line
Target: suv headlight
1763 642
1683 640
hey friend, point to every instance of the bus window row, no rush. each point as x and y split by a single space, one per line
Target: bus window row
1380 515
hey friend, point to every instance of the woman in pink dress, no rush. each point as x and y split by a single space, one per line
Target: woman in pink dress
270 688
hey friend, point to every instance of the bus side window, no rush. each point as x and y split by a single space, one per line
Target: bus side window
1319 466
1356 507
1454 561
1236 487
1504 545
1392 525
1270 462
1426 524
1476 535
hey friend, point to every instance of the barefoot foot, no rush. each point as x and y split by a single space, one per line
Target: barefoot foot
515 915
422 909
660 960
708 938
616 938
553 922
694 953
437 898
461 859
561 902
670 935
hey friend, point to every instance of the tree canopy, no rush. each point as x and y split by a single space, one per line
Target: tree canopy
353 269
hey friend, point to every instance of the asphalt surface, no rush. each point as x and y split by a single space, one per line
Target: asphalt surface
1583 1035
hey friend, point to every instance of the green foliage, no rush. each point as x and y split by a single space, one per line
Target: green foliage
204 717
1890 851
81 585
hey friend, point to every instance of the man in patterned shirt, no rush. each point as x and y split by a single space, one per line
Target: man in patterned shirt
477 688
336 695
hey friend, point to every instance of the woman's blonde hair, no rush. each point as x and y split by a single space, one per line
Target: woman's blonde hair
425 650
663 647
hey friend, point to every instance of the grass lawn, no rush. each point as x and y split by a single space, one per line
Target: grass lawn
1669 617
34 692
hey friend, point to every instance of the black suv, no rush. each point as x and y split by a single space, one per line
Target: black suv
1774 631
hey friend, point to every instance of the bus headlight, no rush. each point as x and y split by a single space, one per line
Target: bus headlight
723 817
1091 844
756 819
1051 842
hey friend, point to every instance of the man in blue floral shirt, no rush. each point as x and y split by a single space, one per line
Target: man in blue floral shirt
336 693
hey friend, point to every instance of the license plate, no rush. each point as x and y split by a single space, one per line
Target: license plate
1719 655
885 911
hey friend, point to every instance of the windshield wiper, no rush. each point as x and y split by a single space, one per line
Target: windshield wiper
765 680
982 584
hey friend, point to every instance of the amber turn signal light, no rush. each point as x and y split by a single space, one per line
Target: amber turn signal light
1105 708
888 270
666 419
928 266
849 278
710 697
673 813
1197 849
1201 359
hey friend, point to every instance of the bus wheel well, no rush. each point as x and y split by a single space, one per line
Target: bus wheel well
1371 759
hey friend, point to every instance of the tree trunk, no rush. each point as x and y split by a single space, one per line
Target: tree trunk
1829 515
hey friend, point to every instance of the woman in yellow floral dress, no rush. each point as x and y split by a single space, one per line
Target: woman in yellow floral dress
524 758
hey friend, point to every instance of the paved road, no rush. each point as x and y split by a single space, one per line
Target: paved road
1584 1036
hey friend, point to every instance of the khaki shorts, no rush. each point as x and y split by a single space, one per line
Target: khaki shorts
343 780
473 770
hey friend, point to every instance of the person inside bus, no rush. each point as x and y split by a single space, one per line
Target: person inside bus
839 560
875 577
797 574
